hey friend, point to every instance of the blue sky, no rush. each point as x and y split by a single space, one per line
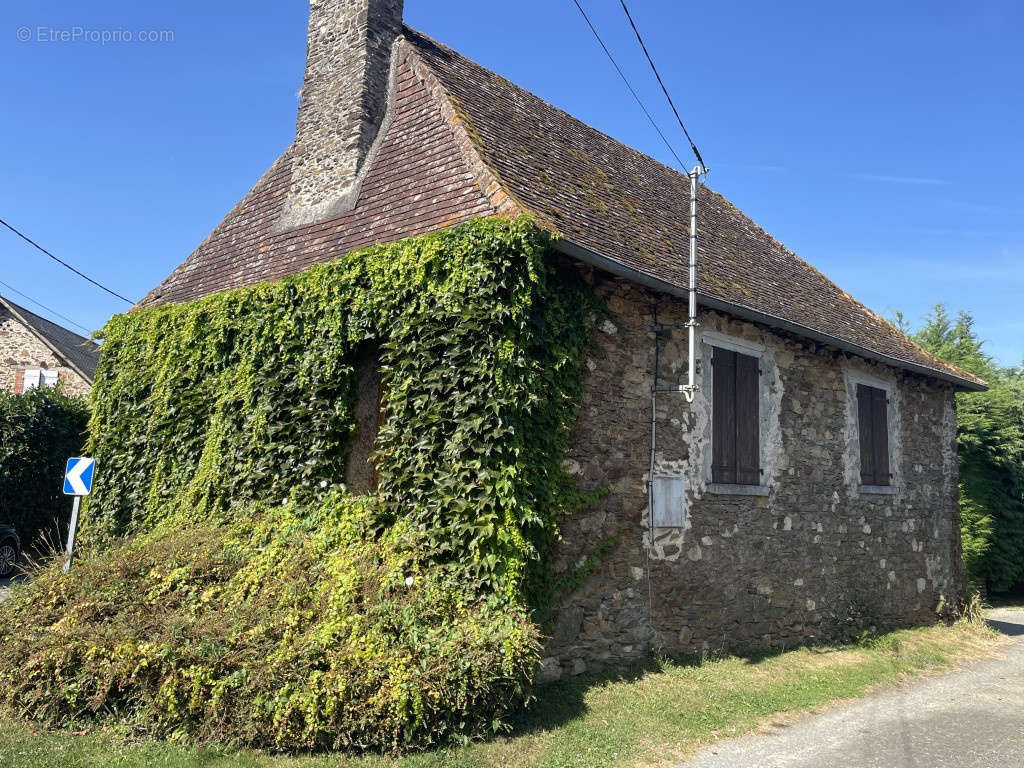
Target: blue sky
879 140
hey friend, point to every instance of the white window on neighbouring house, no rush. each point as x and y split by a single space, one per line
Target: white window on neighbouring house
39 377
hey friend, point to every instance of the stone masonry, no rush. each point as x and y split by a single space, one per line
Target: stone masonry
344 104
20 349
809 556
398 135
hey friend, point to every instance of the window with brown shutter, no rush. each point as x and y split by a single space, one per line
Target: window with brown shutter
735 419
873 424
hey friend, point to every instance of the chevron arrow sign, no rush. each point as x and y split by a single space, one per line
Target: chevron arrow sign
78 476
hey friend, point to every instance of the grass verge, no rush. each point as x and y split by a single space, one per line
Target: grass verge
653 716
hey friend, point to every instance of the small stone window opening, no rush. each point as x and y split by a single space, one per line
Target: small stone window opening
361 471
735 418
873 425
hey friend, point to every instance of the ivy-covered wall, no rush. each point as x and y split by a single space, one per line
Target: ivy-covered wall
231 589
250 395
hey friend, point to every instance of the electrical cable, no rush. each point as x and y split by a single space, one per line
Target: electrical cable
43 306
36 245
625 80
664 90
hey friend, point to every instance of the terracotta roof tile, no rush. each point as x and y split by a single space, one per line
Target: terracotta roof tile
629 208
465 142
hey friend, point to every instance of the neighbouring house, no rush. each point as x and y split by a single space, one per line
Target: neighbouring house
810 488
35 352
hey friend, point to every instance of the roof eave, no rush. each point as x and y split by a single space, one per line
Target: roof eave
46 342
587 256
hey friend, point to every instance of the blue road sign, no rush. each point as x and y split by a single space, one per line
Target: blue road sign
78 476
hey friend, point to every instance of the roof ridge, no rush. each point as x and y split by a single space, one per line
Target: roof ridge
495 147
877 316
448 49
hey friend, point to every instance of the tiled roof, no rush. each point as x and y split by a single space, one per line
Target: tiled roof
80 353
418 182
465 142
631 210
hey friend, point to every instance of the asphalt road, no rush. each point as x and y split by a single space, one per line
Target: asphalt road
972 718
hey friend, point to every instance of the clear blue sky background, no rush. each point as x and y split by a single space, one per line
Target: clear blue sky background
879 140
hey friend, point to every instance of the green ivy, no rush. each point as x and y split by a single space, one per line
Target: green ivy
290 629
210 418
248 395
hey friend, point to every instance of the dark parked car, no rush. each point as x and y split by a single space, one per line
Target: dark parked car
10 550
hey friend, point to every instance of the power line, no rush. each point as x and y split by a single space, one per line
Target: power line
664 90
626 81
40 304
64 263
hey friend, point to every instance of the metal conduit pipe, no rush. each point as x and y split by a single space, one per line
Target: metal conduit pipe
690 388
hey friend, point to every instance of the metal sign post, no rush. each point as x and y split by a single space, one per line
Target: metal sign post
77 483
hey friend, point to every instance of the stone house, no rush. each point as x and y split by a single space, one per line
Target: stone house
810 488
35 352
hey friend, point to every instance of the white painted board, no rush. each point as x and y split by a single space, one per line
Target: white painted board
669 497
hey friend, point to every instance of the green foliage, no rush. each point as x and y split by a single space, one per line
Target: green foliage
290 629
657 715
39 430
206 608
991 453
248 395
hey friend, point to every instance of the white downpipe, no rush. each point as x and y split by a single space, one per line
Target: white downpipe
690 388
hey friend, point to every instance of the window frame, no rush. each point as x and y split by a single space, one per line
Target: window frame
855 376
39 378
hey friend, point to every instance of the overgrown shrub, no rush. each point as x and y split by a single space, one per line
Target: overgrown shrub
290 629
205 608
39 430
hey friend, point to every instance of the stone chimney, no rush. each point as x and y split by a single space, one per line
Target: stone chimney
344 102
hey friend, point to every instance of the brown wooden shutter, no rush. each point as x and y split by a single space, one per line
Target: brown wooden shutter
880 435
735 419
873 423
19 381
748 449
723 417
865 425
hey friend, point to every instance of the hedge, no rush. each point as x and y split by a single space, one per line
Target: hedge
287 630
39 430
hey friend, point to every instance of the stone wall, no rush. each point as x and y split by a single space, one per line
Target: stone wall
20 348
343 106
807 557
